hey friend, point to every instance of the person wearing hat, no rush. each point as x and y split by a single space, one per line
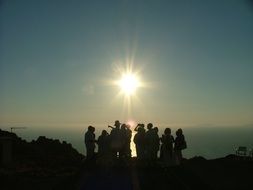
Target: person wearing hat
117 124
116 141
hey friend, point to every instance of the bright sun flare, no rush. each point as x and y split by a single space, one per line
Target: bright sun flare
128 84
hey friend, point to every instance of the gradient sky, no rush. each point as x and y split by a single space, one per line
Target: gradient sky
56 58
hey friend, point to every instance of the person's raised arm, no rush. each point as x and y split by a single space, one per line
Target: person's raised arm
136 128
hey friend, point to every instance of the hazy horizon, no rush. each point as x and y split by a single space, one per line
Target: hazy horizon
200 140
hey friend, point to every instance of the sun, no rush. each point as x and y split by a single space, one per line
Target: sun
129 83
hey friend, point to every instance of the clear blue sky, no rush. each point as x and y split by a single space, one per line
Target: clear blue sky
57 56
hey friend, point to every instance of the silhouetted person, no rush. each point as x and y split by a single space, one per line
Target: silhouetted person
180 144
103 143
150 142
139 140
115 139
166 153
89 140
128 142
156 143
123 137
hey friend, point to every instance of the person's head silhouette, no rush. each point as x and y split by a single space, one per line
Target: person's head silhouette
117 124
156 129
167 131
123 126
179 132
150 126
104 133
90 128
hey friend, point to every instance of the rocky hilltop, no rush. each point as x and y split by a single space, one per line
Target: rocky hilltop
41 163
42 152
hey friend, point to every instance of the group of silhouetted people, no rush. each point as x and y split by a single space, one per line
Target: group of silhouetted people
115 144
148 144
147 141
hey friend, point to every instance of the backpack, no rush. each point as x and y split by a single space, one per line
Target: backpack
183 145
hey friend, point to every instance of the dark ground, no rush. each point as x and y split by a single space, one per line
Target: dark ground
197 173
230 172
50 164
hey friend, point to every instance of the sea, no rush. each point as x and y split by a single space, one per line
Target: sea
206 141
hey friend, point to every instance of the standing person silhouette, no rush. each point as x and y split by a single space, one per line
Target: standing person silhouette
150 143
166 153
128 142
139 140
103 143
180 144
123 137
156 143
115 139
89 140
